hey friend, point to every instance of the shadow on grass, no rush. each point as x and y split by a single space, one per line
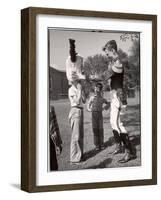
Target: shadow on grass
129 119
103 164
93 152
135 140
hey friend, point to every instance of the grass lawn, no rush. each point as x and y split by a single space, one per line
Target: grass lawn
104 158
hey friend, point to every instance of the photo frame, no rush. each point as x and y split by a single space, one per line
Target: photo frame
34 29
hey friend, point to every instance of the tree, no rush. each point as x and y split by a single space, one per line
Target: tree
126 36
132 75
96 64
123 57
134 52
134 63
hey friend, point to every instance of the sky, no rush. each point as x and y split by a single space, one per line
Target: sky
87 43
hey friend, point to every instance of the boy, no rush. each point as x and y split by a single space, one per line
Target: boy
115 73
95 105
118 101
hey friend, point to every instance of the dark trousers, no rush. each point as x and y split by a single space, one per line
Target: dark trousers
97 125
53 159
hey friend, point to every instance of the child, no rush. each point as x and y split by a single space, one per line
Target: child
95 105
115 73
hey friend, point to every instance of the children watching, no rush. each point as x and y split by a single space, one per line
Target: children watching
95 105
